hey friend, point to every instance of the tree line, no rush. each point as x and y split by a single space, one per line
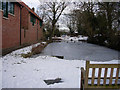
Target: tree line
100 21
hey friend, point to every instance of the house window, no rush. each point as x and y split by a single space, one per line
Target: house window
33 19
41 23
11 7
5 9
0 4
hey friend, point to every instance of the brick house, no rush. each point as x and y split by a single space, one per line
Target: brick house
21 26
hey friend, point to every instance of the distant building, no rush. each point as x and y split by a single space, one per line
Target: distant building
20 26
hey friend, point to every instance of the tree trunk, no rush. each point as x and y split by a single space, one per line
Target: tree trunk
53 30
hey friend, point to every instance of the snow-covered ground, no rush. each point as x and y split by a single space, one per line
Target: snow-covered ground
0 74
18 72
30 73
68 38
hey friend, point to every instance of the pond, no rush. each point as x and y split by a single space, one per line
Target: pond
81 51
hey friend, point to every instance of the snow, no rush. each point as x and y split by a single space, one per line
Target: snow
25 50
21 72
31 72
0 74
68 38
82 38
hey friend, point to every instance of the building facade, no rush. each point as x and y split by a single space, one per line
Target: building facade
21 26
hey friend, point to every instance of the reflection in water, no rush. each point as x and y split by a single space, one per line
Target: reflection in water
80 51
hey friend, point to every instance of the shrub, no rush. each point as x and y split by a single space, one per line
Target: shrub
29 54
38 49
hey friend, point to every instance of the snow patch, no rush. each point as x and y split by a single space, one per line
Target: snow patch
68 38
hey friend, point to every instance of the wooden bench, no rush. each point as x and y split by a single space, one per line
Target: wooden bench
104 81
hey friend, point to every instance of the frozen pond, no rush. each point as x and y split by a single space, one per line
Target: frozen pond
81 51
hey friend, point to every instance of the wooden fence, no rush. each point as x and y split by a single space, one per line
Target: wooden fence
85 76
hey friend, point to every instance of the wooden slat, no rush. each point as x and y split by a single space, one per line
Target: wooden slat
103 78
104 66
105 75
99 76
87 72
112 87
111 75
93 76
117 73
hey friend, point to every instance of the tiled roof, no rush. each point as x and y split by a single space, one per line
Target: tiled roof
28 8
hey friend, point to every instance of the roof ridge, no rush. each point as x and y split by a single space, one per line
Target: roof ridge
28 8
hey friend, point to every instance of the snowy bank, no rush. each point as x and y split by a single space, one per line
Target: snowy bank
21 72
79 38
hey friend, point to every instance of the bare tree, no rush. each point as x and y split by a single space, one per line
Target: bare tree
71 23
51 11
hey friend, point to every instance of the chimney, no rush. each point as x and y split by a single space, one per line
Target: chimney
33 9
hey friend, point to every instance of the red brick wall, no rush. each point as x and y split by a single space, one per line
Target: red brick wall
40 31
11 29
24 18
0 30
30 35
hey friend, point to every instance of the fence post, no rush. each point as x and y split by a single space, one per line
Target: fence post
82 78
87 72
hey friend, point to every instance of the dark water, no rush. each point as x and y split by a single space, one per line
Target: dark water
81 51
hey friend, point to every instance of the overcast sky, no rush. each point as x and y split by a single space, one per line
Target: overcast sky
32 3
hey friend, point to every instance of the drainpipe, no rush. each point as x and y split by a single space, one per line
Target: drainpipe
20 24
37 31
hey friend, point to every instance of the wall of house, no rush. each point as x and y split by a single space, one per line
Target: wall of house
24 18
40 31
11 29
29 36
